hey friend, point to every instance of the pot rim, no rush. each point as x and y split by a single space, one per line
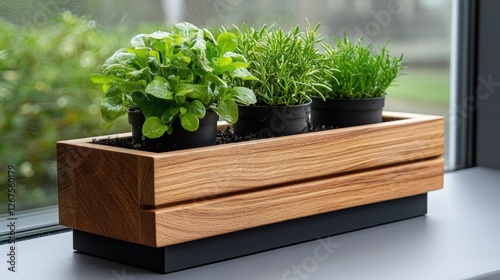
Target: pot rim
277 106
340 98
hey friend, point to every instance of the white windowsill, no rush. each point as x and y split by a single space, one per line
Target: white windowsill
459 238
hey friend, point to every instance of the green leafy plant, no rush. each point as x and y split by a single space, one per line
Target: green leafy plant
46 96
288 65
177 74
360 72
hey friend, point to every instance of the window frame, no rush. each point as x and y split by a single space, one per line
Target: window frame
461 119
485 97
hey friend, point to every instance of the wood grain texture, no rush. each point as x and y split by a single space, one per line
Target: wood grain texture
197 220
186 176
158 199
98 192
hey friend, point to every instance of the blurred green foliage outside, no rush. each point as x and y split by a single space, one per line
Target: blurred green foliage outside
46 96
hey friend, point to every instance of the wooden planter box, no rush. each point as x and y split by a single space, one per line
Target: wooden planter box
158 201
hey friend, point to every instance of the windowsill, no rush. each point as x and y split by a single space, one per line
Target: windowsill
459 238
32 222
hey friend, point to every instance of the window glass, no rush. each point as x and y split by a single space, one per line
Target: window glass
49 48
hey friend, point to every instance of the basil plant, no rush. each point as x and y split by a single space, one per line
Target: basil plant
177 74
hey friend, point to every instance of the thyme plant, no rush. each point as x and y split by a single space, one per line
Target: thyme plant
361 71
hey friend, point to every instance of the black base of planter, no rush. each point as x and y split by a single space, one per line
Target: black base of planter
245 242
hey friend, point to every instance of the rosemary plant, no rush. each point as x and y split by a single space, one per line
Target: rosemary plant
288 65
362 72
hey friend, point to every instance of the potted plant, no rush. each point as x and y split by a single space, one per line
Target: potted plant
358 84
174 84
287 66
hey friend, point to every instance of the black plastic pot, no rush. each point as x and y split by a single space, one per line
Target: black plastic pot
180 138
339 112
271 121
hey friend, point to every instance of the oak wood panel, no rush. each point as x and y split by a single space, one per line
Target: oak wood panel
208 172
202 173
211 217
99 192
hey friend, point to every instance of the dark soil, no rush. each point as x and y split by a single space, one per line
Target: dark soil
224 136
227 136
128 143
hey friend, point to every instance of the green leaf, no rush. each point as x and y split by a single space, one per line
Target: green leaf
243 74
211 52
159 35
159 88
122 56
184 29
133 86
138 41
235 56
200 43
158 106
150 105
159 45
141 60
224 61
141 100
183 111
117 70
226 64
153 127
209 36
197 108
170 129
170 113
245 95
240 64
192 91
185 56
200 92
154 55
137 74
98 78
112 108
227 42
228 110
190 121
213 79
114 92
